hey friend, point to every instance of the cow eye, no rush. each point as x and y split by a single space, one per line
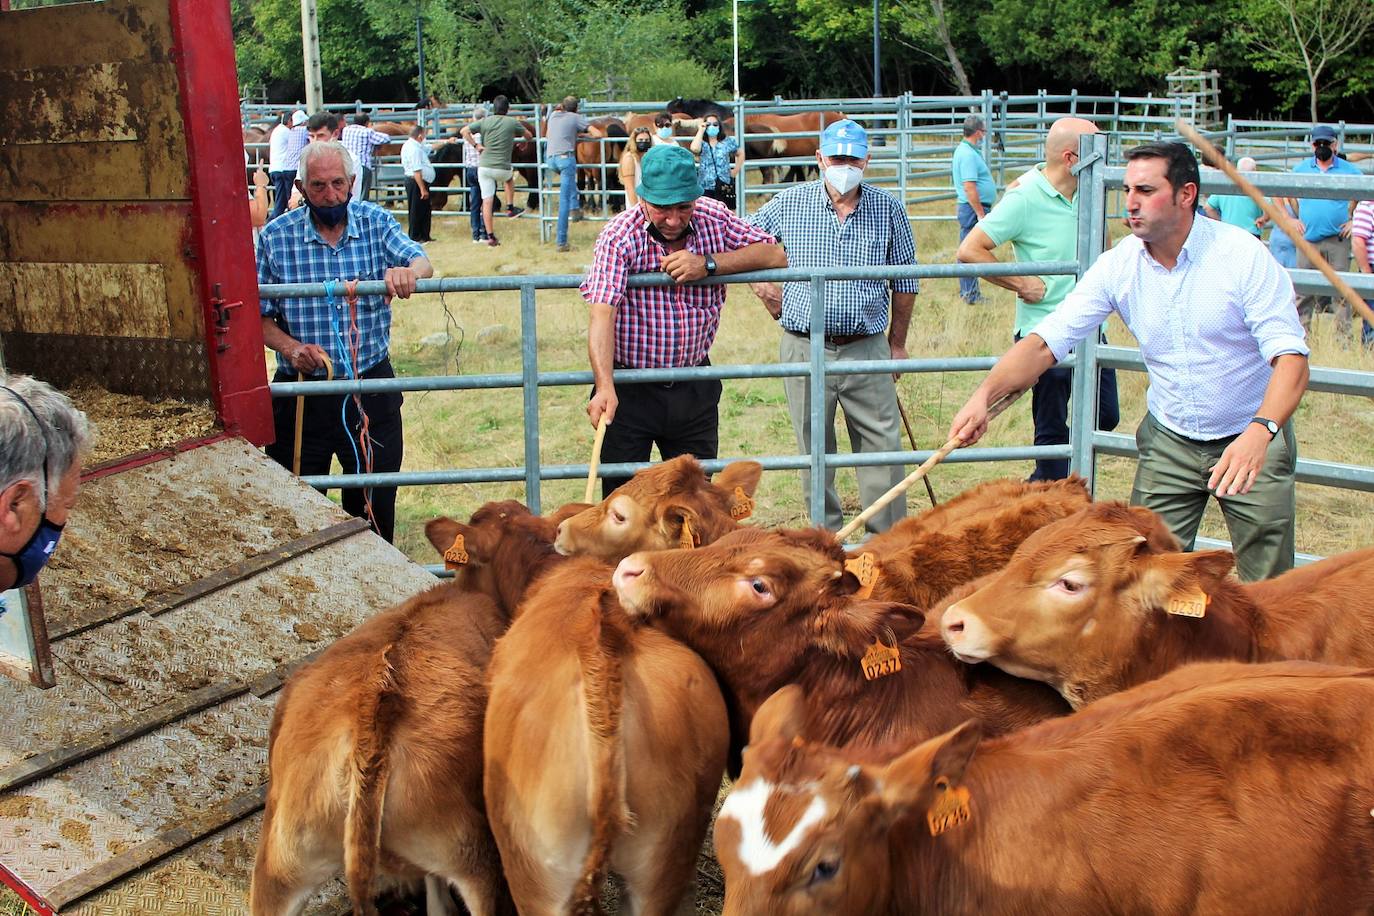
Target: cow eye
759 586
825 870
617 517
1071 586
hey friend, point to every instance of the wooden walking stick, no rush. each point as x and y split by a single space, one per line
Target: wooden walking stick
300 415
911 437
596 458
997 407
1278 217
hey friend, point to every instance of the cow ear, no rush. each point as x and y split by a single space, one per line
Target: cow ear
1174 575
681 527
442 531
846 627
742 474
782 715
1151 525
563 513
916 778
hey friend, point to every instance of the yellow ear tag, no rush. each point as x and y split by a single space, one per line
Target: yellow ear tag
687 540
743 506
880 660
865 569
949 809
1191 602
457 555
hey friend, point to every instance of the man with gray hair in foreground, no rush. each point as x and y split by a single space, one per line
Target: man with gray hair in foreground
43 439
333 238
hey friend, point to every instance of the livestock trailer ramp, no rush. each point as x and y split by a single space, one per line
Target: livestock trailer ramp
186 590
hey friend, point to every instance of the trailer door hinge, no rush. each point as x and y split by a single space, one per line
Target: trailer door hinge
222 310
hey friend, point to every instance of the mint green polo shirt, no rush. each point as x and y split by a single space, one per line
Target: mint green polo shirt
1042 225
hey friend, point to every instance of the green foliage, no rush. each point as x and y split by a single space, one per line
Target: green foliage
1284 38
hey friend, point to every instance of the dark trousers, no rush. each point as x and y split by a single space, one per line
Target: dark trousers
1050 410
681 418
330 430
282 182
479 229
368 176
417 212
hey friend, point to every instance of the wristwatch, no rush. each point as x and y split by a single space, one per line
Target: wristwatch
710 265
1267 424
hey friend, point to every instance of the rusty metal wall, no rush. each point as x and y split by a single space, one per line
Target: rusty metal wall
97 256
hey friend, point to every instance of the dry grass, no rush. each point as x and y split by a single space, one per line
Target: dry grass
484 428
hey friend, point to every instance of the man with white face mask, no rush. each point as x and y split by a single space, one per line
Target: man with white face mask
840 221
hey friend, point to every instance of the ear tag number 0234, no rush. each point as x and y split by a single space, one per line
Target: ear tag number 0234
456 555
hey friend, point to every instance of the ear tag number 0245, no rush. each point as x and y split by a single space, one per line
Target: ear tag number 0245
949 809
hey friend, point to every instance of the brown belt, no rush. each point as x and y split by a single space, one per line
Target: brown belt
838 340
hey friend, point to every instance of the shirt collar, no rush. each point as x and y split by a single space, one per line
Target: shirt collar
829 201
1038 179
351 230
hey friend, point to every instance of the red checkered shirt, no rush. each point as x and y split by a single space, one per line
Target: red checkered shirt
659 327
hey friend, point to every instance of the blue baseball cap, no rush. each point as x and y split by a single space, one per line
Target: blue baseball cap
1323 132
844 138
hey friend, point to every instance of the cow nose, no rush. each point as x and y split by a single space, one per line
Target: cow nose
952 625
629 569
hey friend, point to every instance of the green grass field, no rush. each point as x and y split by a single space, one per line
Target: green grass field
484 428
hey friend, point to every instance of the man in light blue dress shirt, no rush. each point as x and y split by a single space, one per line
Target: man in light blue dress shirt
1226 356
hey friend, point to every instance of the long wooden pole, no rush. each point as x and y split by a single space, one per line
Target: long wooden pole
1000 405
596 459
1277 216
911 437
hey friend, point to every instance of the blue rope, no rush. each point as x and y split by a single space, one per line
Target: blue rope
335 314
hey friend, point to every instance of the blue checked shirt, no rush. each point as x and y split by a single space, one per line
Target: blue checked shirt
877 233
290 250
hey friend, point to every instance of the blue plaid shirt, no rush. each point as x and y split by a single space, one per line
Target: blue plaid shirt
290 250
876 233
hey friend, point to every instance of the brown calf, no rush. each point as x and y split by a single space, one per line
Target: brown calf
501 550
373 764
671 504
1223 788
1103 600
921 558
605 743
770 608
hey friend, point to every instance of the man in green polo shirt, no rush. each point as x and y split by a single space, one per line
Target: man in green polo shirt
1039 216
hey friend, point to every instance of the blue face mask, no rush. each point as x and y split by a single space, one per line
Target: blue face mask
665 132
329 216
712 129
30 559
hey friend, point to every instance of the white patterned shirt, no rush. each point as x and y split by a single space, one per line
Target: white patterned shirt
1208 329
415 158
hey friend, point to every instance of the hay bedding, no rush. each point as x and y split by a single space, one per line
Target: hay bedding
127 424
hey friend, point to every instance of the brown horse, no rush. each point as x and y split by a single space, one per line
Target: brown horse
597 160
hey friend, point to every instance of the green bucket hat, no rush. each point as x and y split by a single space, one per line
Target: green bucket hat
668 176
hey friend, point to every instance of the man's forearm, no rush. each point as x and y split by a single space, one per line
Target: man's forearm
758 256
976 248
974 201
1285 388
423 269
902 306
1018 368
601 344
274 338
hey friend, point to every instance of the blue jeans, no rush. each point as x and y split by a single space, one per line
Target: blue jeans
1367 331
479 230
1050 411
568 201
968 286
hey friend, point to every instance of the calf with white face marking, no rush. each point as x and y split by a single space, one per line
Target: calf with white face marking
1219 789
1103 600
769 608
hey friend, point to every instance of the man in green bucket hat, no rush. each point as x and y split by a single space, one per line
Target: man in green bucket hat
675 230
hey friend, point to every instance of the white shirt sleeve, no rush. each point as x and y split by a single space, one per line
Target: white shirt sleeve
1082 310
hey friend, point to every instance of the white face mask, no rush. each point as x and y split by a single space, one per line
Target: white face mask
843 178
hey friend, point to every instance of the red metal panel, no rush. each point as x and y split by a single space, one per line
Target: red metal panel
221 250
8 878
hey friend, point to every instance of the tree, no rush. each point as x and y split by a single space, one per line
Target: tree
921 22
1308 37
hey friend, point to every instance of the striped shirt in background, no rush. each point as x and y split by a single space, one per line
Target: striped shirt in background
1362 227
291 159
659 327
1208 329
471 156
290 250
361 141
877 233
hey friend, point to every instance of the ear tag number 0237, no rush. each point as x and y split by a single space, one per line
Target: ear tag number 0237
881 660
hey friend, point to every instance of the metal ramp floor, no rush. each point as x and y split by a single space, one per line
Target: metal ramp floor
184 592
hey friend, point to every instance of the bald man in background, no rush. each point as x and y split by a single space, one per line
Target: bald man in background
1038 215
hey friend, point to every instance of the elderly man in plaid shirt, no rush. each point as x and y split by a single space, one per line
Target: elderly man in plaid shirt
837 221
676 230
334 238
